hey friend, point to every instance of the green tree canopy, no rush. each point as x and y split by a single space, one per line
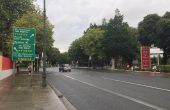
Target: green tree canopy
132 46
10 11
77 53
91 43
147 30
64 58
155 30
54 56
113 39
119 40
163 32
167 15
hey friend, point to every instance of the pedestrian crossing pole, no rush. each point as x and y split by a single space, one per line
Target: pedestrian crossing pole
44 83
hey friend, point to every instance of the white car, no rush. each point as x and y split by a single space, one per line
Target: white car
65 68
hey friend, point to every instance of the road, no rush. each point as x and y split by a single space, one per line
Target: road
94 90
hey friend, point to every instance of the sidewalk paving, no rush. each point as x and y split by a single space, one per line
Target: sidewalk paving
21 92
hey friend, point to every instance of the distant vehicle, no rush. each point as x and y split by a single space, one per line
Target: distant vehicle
61 68
155 68
65 68
136 68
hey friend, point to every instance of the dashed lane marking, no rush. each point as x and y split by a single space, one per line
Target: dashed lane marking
137 84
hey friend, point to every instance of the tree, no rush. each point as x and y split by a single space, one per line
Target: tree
119 40
104 25
91 43
147 30
163 29
113 39
155 30
10 11
64 58
166 15
54 56
113 34
132 47
76 53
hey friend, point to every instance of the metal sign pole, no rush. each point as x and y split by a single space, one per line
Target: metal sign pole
44 84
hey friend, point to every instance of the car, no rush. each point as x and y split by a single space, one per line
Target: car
155 68
65 68
61 68
136 68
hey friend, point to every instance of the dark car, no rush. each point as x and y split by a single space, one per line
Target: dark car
61 68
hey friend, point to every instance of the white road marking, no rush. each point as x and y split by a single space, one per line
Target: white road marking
118 94
162 89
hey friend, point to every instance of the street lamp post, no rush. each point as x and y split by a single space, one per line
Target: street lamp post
44 84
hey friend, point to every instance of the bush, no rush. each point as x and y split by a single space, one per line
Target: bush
165 68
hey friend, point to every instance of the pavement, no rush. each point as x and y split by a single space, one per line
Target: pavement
24 92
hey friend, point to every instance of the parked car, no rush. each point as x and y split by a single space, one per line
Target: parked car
155 68
65 68
136 68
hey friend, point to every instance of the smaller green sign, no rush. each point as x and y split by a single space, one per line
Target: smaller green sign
23 52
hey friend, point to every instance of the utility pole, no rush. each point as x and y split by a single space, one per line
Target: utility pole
44 83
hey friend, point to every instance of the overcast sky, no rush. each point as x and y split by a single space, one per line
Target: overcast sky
71 17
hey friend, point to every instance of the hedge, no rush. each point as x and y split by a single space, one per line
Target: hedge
164 68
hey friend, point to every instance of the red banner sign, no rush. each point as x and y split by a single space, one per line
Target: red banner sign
145 58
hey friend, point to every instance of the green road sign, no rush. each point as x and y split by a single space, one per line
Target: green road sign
23 44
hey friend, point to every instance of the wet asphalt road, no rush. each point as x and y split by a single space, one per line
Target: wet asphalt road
92 90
